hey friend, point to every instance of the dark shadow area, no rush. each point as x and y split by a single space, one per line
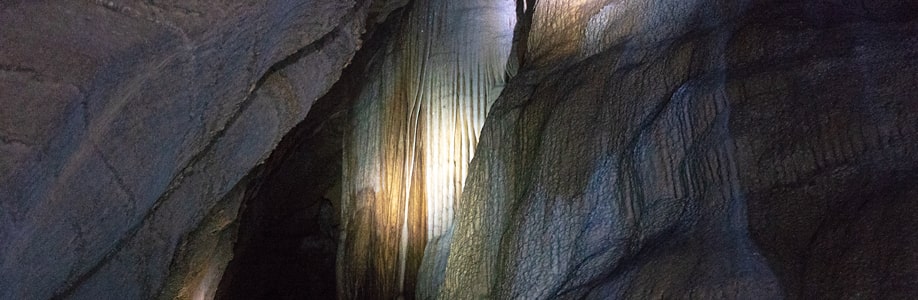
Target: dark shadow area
840 223
288 225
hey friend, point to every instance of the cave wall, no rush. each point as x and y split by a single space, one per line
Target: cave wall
699 149
125 122
413 128
288 227
826 129
644 148
607 170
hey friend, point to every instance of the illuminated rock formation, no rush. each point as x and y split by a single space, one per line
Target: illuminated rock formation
608 152
415 126
618 163
641 149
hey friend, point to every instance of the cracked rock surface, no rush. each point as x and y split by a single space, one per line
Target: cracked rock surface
125 122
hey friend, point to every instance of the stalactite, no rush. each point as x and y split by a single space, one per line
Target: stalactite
414 129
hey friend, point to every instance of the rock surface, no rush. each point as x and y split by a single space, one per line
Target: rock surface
124 122
704 149
825 118
413 128
288 228
624 162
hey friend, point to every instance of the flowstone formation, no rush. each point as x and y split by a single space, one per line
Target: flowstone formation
550 149
414 128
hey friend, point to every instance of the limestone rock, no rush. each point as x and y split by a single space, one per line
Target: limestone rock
624 160
644 149
414 126
124 122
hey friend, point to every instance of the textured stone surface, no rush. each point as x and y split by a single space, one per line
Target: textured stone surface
826 126
646 149
413 128
622 166
123 123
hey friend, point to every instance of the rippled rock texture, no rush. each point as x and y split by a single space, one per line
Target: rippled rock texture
125 125
644 149
414 126
628 149
698 149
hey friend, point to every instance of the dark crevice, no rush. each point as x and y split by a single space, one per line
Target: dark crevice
288 224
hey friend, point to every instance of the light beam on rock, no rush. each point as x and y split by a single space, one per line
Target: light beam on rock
414 129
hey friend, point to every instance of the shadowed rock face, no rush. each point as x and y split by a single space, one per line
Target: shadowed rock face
627 167
289 225
608 170
124 123
825 120
287 236
704 149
